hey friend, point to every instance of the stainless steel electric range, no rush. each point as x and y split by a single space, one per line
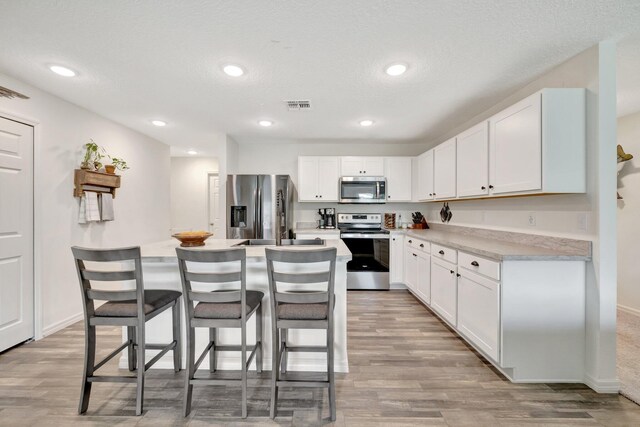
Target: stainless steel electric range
369 245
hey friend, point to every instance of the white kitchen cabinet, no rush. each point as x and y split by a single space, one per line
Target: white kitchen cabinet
425 176
444 289
444 170
398 174
318 178
410 267
538 145
423 276
479 311
361 166
472 161
396 260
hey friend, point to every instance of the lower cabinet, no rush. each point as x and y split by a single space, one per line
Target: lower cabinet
410 268
444 292
479 311
423 276
396 258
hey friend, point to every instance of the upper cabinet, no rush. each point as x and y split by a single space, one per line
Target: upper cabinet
539 144
425 176
398 174
472 162
318 178
536 146
444 170
361 166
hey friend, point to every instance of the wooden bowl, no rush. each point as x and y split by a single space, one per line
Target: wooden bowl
190 239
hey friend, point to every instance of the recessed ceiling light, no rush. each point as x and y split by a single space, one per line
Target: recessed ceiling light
233 70
265 123
366 123
62 71
396 69
158 123
192 152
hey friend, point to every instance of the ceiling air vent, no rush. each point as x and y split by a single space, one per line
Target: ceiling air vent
297 105
8 93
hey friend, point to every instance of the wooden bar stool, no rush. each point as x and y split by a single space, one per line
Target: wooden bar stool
219 308
131 308
301 309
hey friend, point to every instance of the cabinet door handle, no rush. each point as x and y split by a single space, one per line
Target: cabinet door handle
316 196
458 275
365 171
441 252
388 197
422 245
483 188
475 263
410 241
394 239
360 171
452 272
491 187
414 255
321 196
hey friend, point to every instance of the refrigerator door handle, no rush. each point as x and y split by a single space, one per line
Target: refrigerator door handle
258 216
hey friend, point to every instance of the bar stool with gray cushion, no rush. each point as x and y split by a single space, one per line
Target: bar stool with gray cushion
130 308
301 309
228 307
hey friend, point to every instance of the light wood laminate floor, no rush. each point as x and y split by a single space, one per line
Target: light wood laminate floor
406 368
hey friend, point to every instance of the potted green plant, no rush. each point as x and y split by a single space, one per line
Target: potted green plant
92 156
116 163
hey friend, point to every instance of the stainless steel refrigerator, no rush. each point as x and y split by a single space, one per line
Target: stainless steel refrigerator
252 206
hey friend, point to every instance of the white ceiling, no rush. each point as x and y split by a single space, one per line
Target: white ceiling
153 59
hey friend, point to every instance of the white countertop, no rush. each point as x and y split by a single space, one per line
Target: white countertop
497 249
166 250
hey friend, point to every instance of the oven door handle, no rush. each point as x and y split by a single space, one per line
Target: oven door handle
364 236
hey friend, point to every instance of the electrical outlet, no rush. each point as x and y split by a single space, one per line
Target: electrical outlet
532 219
582 221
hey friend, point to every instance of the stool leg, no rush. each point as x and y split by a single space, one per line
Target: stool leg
243 357
285 352
89 363
141 369
177 350
131 350
259 339
331 374
188 387
275 362
213 338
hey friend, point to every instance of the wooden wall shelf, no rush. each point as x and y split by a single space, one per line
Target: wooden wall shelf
100 182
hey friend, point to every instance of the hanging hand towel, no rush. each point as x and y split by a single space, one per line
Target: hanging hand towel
106 207
82 212
92 208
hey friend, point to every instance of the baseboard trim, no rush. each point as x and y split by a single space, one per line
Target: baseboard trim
51 329
602 386
629 310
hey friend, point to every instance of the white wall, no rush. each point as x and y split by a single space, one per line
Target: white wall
190 192
628 215
141 204
593 69
281 157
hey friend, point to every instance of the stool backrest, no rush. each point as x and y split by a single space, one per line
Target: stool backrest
86 276
239 255
300 257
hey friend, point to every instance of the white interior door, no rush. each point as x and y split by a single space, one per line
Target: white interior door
214 205
16 233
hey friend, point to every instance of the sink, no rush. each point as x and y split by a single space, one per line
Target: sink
285 242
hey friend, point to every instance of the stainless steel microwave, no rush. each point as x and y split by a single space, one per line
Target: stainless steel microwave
363 189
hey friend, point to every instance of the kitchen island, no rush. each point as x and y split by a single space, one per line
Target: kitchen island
160 270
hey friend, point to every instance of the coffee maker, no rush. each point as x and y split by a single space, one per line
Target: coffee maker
327 218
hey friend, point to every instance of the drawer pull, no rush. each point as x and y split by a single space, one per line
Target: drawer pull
452 272
422 245
410 241
458 275
441 252
475 263
414 255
